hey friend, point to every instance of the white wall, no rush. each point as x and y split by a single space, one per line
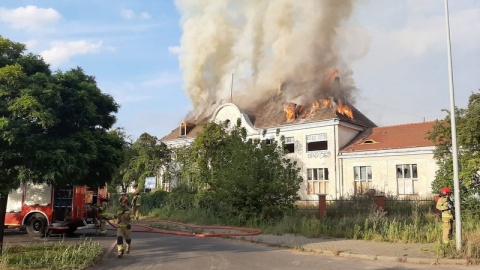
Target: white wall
339 134
383 164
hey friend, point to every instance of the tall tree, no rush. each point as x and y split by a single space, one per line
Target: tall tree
144 159
53 127
468 140
242 176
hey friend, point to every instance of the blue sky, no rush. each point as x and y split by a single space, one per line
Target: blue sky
395 52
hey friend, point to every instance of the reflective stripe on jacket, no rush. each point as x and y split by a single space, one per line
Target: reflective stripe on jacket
124 216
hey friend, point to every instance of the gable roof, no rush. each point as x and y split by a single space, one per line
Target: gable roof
392 137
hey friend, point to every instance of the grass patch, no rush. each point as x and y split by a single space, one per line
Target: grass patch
50 256
419 226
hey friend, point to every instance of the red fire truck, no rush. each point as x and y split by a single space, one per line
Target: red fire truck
41 208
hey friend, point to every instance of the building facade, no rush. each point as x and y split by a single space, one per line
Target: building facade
338 150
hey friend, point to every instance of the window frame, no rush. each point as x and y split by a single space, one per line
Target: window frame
289 145
367 172
362 179
407 177
322 180
319 142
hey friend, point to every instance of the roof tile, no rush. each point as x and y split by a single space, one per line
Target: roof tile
392 137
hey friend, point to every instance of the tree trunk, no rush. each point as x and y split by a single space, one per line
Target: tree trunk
3 209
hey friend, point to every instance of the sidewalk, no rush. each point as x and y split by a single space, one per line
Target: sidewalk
393 252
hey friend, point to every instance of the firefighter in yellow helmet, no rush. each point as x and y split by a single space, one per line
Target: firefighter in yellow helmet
102 214
136 203
445 206
124 227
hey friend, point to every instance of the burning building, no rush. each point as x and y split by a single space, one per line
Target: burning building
282 54
340 154
314 130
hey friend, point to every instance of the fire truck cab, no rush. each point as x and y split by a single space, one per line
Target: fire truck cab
40 208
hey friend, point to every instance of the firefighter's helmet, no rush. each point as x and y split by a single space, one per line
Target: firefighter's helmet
445 191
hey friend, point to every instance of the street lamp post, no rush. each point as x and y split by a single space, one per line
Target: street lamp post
456 184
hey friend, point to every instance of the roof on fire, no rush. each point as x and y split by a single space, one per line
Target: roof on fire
271 114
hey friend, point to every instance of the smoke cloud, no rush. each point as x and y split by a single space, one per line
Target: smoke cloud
269 48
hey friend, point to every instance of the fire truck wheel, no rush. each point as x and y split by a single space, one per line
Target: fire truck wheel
36 225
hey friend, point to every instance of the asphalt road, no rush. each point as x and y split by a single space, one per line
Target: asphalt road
165 251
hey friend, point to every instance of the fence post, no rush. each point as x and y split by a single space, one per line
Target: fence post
322 205
380 201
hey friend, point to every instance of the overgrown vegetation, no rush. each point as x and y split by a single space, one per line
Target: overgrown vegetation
143 158
404 221
468 141
50 256
224 172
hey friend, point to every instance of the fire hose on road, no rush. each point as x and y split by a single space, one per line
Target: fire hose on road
216 231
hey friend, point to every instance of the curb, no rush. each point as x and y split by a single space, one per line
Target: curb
405 259
402 259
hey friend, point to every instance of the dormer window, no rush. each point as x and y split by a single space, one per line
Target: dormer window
185 128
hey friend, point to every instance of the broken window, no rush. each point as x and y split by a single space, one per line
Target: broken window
407 179
289 145
317 142
185 128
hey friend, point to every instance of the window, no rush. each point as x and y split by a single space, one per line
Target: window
317 142
289 145
185 128
268 141
407 178
362 175
317 181
227 124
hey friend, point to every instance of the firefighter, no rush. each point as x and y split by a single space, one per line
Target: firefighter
136 203
124 227
102 214
445 206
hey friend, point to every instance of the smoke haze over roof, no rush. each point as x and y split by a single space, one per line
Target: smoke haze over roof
265 45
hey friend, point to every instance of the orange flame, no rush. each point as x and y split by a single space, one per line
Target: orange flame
344 109
292 110
314 107
326 103
289 109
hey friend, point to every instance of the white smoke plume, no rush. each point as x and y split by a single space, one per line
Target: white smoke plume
267 45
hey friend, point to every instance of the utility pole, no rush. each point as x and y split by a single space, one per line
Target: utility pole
456 183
